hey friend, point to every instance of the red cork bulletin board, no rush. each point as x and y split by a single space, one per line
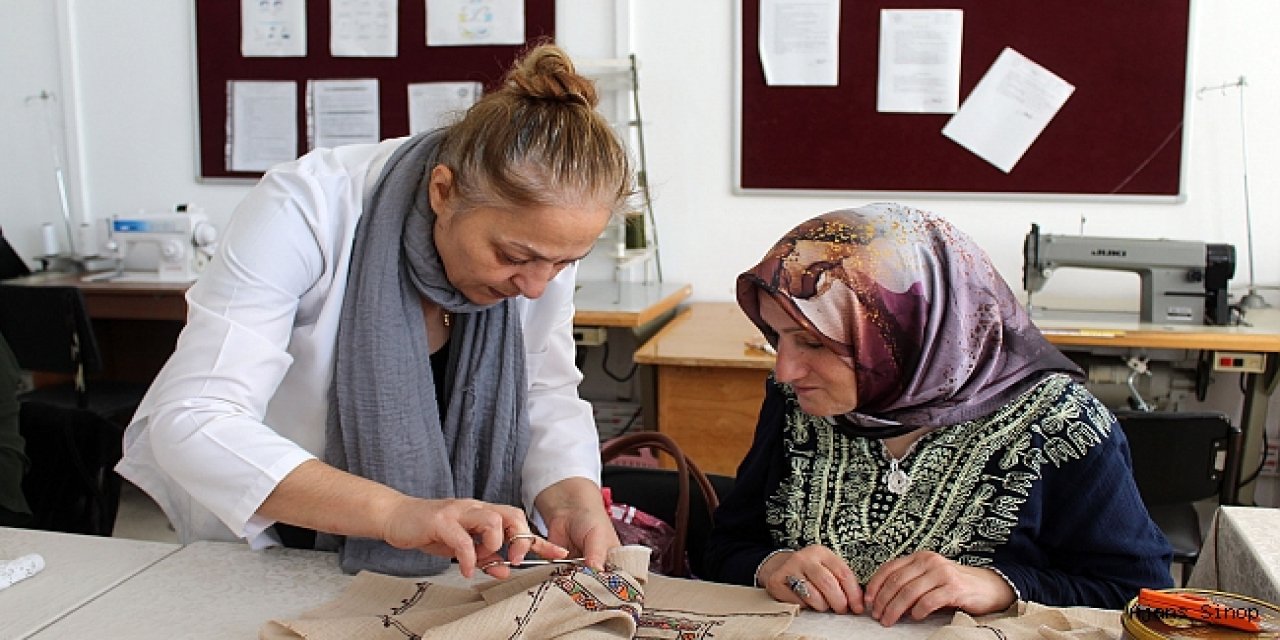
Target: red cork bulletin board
218 59
1119 134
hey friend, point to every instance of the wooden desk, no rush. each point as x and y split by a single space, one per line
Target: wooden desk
603 304
1091 329
710 384
137 323
77 570
625 304
226 590
120 300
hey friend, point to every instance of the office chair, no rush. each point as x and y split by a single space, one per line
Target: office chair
72 429
657 491
1180 458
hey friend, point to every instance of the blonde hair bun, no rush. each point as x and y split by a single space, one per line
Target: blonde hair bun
547 73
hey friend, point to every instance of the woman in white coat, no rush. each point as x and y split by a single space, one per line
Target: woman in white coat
382 351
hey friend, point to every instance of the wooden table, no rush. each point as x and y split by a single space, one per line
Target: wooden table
625 304
605 304
137 323
226 590
710 384
78 569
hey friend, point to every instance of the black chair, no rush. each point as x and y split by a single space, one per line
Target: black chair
72 429
1180 458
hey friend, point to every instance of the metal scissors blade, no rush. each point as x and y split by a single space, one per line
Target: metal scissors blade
531 562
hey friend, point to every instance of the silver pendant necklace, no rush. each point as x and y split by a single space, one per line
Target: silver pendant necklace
895 479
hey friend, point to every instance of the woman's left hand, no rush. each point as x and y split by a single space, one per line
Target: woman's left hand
573 510
924 582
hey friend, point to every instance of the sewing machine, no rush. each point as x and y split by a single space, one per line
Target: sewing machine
170 247
1182 281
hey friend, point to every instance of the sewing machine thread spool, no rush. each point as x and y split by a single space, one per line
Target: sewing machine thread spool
49 239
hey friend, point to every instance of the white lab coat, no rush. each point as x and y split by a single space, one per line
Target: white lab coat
243 399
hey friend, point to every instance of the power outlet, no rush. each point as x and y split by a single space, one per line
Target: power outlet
590 336
1239 362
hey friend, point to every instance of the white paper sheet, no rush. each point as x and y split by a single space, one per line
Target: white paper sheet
436 104
799 42
363 28
474 22
342 112
262 124
1008 109
919 60
271 28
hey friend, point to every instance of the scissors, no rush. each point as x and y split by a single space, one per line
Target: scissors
531 562
1198 607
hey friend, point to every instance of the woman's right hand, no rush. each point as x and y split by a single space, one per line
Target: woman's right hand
471 531
828 582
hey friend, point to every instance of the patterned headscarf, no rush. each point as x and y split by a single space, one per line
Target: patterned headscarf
932 331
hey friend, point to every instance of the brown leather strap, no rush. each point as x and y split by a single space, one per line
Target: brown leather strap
685 469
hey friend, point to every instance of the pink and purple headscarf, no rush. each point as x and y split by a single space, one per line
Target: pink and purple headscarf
932 331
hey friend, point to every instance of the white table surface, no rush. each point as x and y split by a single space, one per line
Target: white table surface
222 590
77 570
1241 554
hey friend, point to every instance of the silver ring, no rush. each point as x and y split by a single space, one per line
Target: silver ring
524 536
799 586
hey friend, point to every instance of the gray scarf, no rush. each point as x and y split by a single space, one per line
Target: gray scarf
384 423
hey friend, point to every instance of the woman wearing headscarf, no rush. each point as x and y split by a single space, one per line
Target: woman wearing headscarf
380 357
921 446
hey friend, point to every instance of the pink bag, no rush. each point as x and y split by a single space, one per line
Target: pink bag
668 540
637 527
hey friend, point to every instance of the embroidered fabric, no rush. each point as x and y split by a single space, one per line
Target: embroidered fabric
569 602
1031 621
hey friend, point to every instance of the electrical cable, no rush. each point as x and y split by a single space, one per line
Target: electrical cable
1262 464
604 366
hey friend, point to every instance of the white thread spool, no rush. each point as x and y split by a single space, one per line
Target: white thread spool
49 239
88 239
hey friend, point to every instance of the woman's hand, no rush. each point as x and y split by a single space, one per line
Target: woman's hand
924 582
573 511
471 531
828 582
323 498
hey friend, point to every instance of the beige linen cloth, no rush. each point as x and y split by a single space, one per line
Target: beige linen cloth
1031 621
567 602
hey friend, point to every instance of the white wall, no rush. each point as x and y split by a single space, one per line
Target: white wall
126 85
128 100
127 88
122 73
708 234
29 64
